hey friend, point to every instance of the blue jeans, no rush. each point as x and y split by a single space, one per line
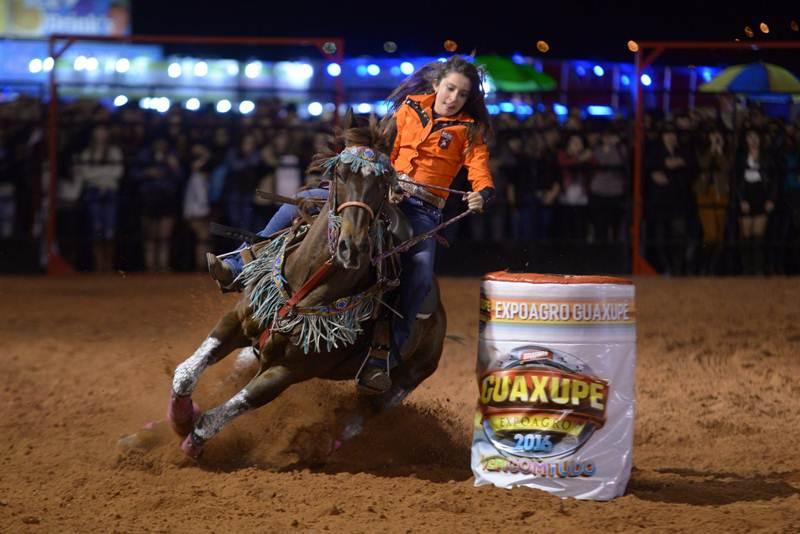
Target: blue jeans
416 279
282 219
102 206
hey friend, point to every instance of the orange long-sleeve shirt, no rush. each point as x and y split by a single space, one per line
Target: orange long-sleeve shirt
432 151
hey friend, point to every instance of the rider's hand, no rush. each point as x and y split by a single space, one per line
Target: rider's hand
474 201
396 195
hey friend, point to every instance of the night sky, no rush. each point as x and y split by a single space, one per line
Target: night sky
419 29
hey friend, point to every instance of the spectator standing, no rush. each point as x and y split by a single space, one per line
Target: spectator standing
667 204
244 171
575 162
100 168
8 202
756 191
712 191
519 169
607 187
158 175
196 206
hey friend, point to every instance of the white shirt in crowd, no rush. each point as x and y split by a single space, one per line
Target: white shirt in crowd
195 200
102 169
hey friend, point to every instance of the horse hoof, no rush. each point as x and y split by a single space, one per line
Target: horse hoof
192 447
182 414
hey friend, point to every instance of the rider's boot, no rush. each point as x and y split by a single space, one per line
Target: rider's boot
373 377
221 273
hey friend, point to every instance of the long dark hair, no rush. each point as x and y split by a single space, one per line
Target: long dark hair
422 81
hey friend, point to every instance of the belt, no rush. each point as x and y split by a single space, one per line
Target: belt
421 193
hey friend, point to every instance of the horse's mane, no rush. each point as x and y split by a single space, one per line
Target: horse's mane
366 133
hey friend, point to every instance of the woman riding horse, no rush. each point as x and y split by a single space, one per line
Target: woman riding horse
310 303
438 123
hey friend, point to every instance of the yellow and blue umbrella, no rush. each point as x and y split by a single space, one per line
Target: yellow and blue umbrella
753 78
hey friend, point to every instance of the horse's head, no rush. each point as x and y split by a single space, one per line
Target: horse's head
360 176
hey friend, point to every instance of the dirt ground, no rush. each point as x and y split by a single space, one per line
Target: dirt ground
87 360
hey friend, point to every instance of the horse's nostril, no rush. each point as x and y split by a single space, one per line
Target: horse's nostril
344 252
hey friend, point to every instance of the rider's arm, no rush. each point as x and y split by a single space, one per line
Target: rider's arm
477 163
397 122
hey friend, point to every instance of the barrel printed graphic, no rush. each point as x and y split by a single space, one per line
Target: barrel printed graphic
544 407
555 379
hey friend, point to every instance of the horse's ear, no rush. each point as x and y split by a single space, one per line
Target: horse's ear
375 131
349 119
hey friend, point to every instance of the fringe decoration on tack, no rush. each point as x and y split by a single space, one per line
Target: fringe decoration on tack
361 159
332 326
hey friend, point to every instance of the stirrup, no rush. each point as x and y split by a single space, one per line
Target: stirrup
374 375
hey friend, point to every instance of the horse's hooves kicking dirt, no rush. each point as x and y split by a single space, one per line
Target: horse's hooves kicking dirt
182 414
192 447
313 444
152 435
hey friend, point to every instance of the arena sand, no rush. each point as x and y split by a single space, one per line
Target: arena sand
87 360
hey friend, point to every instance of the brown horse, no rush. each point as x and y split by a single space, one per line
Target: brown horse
357 197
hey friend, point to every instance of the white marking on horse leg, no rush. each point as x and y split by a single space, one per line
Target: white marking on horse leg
245 358
186 374
213 420
423 315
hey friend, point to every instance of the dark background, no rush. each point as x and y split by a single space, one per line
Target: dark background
586 31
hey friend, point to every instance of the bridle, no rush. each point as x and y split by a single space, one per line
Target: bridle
367 161
361 160
356 204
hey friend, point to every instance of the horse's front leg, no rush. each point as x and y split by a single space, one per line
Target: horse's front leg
226 336
264 387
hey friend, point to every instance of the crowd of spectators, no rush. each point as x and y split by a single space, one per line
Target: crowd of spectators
137 189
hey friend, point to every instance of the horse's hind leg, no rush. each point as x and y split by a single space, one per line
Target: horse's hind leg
226 336
264 387
405 379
